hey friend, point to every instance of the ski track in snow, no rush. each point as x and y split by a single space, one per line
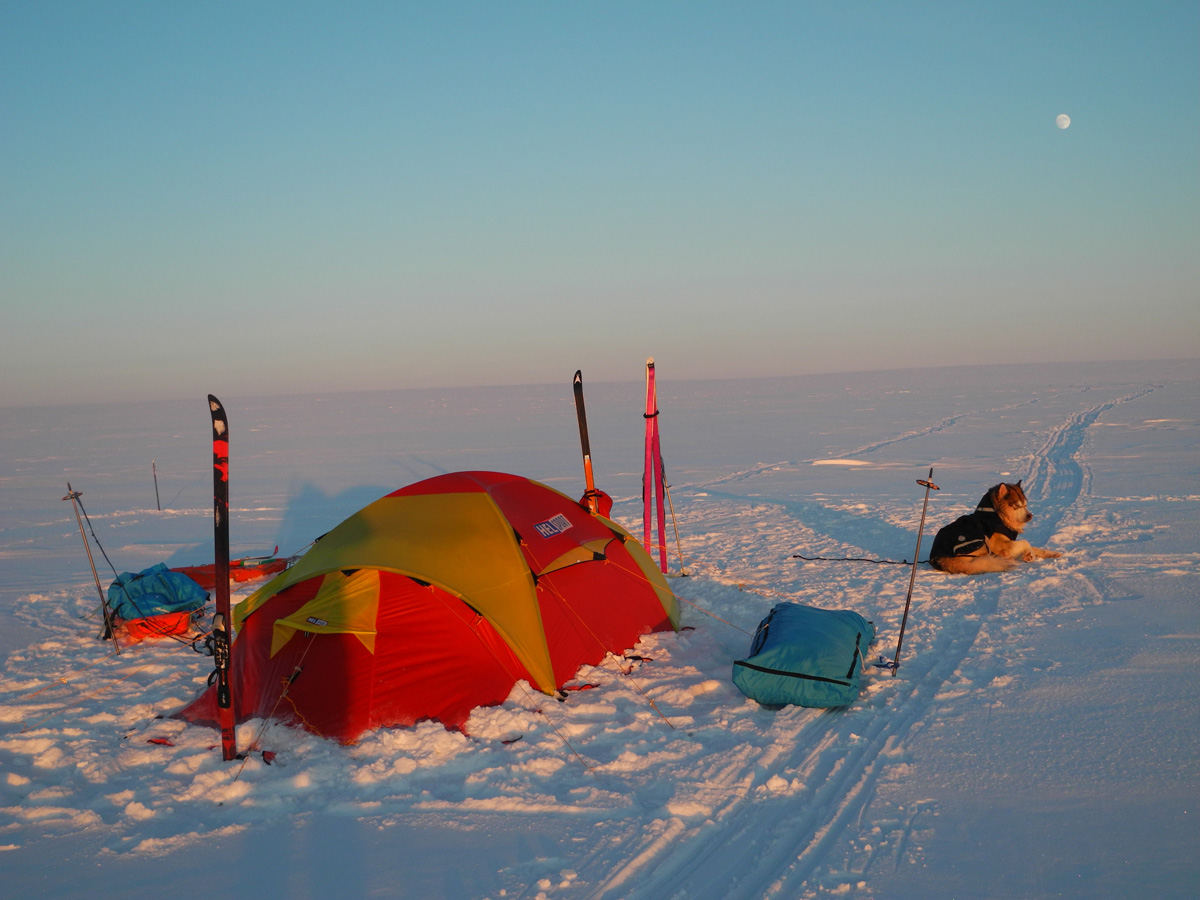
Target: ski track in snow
1055 475
931 429
772 835
781 466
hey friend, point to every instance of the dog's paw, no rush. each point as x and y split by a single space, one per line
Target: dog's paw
1037 553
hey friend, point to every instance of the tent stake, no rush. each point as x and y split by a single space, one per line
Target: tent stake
929 485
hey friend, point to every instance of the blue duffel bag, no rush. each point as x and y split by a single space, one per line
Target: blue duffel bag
805 656
155 591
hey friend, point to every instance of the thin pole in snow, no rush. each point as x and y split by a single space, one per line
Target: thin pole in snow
929 485
108 631
654 475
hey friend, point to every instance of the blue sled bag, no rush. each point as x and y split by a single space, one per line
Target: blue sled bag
155 591
805 656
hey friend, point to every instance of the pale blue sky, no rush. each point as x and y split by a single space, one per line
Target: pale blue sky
252 197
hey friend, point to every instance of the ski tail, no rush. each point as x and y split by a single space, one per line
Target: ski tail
221 632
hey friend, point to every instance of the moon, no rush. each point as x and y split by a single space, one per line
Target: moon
1063 121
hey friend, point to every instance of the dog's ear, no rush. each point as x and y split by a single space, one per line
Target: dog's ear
1019 480
1001 491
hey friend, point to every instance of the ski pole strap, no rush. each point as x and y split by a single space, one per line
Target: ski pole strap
857 654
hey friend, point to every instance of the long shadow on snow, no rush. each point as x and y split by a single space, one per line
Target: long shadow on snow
864 530
311 513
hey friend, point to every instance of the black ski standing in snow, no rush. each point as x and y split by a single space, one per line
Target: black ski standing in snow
591 496
222 655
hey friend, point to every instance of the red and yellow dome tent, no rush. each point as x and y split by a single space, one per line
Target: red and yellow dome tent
436 599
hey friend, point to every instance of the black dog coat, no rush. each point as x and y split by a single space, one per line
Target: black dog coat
967 534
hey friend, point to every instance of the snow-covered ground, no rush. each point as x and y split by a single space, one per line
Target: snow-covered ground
1040 739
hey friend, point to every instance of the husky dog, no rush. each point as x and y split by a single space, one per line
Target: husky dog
987 539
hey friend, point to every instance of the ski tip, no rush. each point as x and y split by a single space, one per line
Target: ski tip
578 376
649 362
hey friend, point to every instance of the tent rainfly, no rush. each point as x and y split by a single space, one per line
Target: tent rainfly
436 599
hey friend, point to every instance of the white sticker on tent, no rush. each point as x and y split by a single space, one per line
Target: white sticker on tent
551 527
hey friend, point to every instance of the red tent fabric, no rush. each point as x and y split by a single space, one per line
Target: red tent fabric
437 599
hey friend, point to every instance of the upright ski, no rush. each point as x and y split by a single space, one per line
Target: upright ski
591 496
221 643
652 475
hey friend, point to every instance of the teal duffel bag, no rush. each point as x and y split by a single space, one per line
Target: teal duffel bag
805 656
